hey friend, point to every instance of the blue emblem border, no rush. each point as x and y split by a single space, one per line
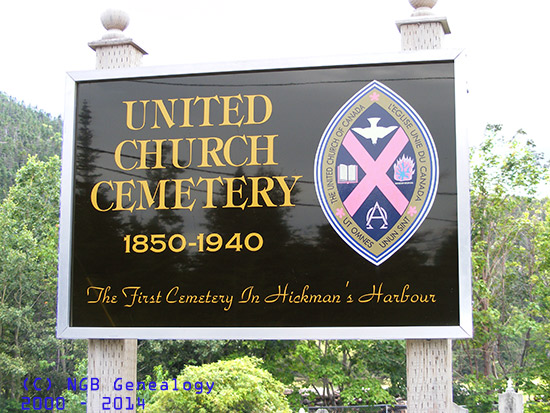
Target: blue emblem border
432 188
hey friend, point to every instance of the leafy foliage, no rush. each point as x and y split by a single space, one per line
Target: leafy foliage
28 275
351 370
74 398
478 394
240 385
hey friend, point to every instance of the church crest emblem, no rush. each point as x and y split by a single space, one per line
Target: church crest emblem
376 172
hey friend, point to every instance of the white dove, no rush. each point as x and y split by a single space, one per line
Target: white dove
374 132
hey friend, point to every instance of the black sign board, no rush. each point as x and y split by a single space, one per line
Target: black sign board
192 202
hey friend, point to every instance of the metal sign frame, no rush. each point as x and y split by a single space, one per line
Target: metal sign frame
464 329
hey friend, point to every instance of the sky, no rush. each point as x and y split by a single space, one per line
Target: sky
505 42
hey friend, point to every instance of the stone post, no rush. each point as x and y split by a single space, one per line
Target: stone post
510 401
114 50
109 360
429 362
423 30
429 376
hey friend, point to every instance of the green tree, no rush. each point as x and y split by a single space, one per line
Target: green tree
24 131
509 259
28 275
350 369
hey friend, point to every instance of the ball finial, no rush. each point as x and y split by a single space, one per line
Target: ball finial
422 7
115 21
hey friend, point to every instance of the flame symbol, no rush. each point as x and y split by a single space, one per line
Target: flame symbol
403 170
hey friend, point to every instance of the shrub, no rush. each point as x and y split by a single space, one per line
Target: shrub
240 385
478 394
366 391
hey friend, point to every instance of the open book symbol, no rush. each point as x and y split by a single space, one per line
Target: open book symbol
347 174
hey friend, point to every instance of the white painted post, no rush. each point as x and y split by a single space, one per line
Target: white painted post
429 362
109 360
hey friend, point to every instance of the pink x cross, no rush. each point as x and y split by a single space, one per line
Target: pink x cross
376 172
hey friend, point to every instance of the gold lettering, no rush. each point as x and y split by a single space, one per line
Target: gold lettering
251 111
93 195
210 190
134 295
118 154
231 190
213 153
227 110
160 190
187 192
157 152
286 189
269 150
173 291
263 192
227 150
186 112
365 298
247 296
169 119
175 152
280 294
98 291
130 112
120 195
206 108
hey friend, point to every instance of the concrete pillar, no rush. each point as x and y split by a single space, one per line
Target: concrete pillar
423 30
429 376
429 362
510 401
109 360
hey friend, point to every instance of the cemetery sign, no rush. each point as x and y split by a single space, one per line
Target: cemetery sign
310 199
